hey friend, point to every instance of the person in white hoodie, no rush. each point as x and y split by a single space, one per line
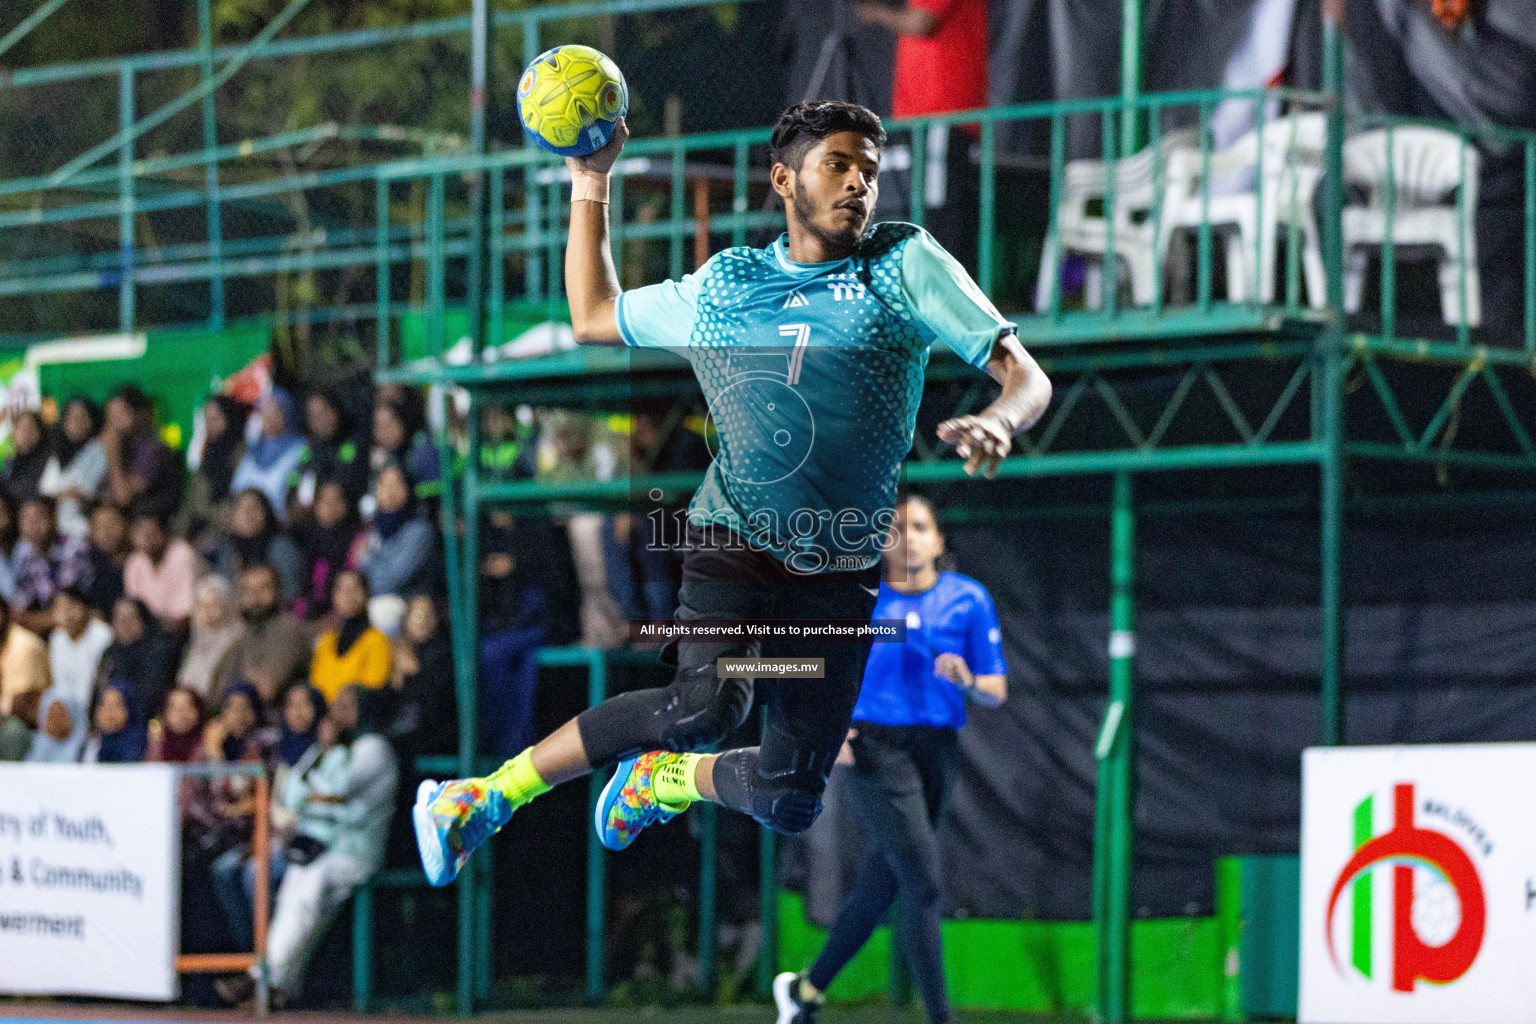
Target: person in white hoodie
76 644
348 799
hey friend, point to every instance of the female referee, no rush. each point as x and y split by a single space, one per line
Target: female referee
902 749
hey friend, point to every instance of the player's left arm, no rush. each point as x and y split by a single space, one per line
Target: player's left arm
984 440
959 314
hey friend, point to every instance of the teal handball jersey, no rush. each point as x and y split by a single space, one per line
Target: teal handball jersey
813 374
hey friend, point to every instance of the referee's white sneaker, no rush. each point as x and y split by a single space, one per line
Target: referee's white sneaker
786 996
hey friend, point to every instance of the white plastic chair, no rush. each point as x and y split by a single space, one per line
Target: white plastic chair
1252 202
1085 183
1429 166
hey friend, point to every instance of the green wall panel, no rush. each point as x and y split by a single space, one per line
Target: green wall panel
1040 966
177 370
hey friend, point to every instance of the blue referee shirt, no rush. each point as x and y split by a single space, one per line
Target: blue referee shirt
954 616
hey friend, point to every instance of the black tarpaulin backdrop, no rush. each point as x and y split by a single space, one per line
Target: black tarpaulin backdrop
1442 648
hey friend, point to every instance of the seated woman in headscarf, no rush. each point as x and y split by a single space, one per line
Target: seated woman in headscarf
140 652
121 733
329 540
76 466
23 471
303 708
234 871
397 550
206 507
214 649
256 536
346 803
271 461
176 737
62 726
353 652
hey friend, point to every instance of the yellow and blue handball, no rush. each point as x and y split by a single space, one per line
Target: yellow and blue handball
570 99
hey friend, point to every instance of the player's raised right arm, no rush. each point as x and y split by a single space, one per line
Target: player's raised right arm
591 282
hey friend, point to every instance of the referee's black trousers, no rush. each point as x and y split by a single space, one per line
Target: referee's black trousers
897 787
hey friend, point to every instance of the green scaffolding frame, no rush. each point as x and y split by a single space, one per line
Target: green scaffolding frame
1223 351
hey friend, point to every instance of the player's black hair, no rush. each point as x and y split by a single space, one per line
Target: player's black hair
805 124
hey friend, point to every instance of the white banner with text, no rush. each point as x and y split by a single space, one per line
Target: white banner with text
89 880
1418 885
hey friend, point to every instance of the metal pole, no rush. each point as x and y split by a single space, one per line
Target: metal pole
473 889
125 240
437 275
185 100
381 274
1115 810
479 99
988 208
708 855
533 221
210 166
31 22
261 890
768 900
464 690
597 881
478 888
1130 75
1331 603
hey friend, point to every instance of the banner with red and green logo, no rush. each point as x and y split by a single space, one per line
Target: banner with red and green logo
1419 885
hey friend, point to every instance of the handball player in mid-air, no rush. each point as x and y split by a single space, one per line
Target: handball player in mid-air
811 354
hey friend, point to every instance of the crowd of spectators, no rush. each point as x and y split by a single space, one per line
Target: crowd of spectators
276 598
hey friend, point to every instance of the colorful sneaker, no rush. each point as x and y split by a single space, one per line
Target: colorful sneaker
786 996
629 805
453 818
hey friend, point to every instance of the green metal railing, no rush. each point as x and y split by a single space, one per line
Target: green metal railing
668 170
216 66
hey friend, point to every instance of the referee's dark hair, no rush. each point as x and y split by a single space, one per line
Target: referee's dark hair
946 561
805 124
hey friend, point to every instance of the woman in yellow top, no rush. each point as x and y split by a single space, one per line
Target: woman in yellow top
354 652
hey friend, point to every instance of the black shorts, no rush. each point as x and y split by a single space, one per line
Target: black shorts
724 578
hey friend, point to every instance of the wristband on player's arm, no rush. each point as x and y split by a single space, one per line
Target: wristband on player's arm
589 185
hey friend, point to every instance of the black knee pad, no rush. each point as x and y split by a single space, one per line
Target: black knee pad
693 711
701 708
787 798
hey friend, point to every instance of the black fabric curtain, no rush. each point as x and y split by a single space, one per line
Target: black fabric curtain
1441 648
